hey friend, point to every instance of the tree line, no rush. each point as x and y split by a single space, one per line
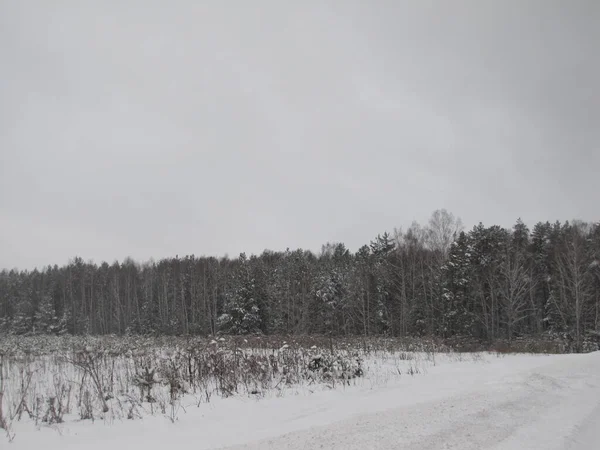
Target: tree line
433 280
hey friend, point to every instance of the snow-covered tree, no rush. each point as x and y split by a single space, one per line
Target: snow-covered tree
242 313
44 319
459 317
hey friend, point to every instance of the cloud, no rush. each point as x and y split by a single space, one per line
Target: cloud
148 129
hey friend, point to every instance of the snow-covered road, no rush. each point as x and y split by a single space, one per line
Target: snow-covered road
547 406
503 403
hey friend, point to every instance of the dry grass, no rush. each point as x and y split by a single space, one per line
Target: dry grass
50 380
53 379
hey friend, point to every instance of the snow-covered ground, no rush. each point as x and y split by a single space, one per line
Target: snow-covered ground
483 402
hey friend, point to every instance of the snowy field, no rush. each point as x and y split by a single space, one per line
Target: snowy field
398 400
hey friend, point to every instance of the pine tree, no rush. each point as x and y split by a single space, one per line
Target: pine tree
44 319
539 250
381 249
488 250
520 237
242 313
458 278
383 245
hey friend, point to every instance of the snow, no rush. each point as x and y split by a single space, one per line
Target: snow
482 401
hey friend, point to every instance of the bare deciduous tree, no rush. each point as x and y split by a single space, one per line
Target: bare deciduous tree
442 230
514 286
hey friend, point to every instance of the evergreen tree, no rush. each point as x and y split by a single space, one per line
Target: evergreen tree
459 317
520 237
242 314
490 283
45 320
540 256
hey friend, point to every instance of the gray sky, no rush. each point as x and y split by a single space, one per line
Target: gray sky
155 128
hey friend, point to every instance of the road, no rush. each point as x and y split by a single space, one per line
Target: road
551 406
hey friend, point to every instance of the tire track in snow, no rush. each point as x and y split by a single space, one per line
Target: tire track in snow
552 407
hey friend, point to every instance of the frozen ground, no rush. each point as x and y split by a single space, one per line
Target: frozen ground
489 402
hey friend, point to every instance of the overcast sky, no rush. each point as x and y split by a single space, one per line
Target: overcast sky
155 128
